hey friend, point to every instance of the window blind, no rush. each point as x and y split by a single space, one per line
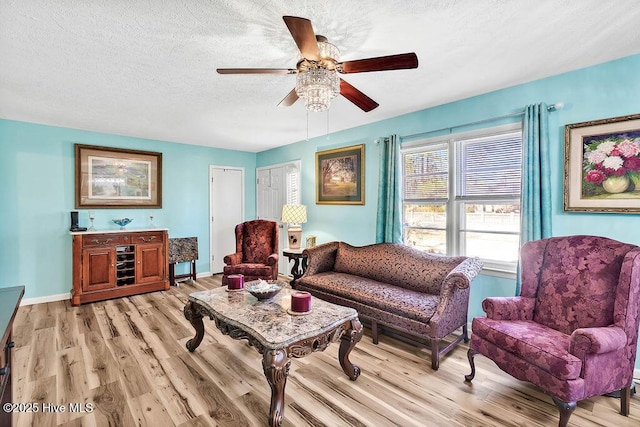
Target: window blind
489 166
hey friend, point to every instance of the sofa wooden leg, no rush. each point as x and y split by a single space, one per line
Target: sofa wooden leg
470 354
625 398
374 331
435 354
566 409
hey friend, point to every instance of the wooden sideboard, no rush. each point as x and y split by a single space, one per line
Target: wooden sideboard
113 264
9 302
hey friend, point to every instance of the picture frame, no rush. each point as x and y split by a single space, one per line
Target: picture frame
602 165
340 176
107 177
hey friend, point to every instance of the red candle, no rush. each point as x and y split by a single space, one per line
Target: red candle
300 301
235 281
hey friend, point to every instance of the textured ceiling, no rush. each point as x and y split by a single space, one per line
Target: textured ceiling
147 68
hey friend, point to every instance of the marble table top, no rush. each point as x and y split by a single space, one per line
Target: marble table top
268 320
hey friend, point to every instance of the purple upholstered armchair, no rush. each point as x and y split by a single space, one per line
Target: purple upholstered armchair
256 255
573 330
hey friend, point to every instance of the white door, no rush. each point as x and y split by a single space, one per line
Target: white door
278 185
227 210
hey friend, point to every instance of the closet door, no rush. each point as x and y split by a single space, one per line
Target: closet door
227 211
278 185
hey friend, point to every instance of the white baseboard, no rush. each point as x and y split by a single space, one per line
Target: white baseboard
66 296
48 298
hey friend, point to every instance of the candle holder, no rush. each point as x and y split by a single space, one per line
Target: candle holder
151 225
300 303
91 218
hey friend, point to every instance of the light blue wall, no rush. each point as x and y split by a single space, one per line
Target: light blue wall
606 90
37 177
37 194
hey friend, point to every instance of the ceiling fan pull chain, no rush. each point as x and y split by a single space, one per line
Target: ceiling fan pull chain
327 124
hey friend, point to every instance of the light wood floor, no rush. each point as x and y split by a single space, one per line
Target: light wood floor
127 359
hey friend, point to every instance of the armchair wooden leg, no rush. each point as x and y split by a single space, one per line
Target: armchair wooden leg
435 354
566 409
465 333
625 398
470 354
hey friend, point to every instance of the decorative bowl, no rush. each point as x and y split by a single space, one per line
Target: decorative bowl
122 222
264 290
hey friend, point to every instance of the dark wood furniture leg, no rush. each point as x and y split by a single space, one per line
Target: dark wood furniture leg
566 409
193 313
275 364
348 341
295 270
625 400
374 331
172 274
470 354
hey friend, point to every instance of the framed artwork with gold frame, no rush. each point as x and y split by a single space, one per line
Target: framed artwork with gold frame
109 177
340 176
602 165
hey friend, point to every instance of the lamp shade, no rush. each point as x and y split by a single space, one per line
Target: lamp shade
294 214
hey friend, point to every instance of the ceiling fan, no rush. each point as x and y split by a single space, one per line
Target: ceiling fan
317 79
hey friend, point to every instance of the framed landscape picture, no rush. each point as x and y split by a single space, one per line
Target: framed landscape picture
340 176
602 165
117 178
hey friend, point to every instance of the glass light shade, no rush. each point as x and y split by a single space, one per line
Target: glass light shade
317 84
294 214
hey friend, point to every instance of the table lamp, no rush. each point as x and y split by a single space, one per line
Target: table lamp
294 215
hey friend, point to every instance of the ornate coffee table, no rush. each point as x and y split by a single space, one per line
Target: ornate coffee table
277 335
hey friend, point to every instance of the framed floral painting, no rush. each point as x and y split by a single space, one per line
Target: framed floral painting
602 165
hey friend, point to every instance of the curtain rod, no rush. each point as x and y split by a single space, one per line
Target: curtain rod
553 107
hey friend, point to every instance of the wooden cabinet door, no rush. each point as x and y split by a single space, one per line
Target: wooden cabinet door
150 262
98 268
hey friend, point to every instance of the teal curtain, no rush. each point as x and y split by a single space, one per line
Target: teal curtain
535 217
388 223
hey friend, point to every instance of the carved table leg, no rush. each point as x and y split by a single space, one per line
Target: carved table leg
348 342
194 316
275 364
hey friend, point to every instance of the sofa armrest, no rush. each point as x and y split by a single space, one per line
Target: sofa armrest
586 341
233 259
509 308
463 274
320 258
273 259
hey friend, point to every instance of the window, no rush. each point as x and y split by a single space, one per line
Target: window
461 195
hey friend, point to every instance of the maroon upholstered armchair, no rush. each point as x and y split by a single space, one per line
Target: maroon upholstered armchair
256 255
573 330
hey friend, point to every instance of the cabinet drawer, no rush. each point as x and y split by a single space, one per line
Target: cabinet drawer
97 240
147 237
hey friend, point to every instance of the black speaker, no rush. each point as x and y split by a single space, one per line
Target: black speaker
74 222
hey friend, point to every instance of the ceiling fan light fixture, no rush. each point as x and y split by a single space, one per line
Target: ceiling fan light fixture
317 86
318 81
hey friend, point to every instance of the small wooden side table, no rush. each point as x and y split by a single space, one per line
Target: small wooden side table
299 263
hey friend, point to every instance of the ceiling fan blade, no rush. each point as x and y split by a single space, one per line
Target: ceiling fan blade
289 100
361 100
302 33
257 71
401 61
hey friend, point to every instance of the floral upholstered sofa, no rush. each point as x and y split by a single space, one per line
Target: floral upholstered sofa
395 286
